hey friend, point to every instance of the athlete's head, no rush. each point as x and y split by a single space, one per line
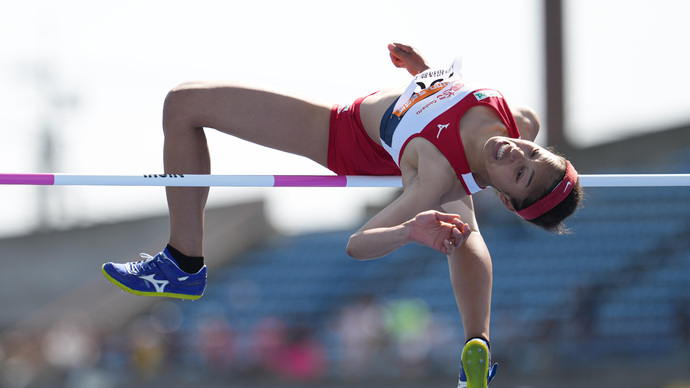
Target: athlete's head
538 184
555 205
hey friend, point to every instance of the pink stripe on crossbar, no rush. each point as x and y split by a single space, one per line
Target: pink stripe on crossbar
309 181
27 179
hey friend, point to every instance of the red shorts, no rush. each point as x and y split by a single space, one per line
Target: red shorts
350 149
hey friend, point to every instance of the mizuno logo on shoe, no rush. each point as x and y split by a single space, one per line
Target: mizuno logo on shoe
159 285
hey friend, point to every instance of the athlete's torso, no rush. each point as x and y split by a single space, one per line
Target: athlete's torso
432 108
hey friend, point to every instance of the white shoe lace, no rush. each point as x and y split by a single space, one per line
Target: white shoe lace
142 265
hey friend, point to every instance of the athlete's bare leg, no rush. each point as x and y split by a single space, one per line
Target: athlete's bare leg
276 120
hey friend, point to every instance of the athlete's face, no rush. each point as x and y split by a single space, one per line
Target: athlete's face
521 169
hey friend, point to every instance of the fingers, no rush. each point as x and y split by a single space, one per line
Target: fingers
454 219
401 47
448 247
460 233
395 54
446 217
451 230
406 56
466 230
463 229
400 53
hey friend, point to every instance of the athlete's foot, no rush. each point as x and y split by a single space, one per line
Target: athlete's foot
156 276
476 370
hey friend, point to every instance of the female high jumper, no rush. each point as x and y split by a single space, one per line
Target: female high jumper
446 138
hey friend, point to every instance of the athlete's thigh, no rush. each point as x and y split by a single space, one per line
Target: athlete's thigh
279 120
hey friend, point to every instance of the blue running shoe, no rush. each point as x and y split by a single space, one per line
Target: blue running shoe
156 276
476 370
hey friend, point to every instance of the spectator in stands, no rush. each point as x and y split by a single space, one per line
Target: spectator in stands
217 342
268 338
362 334
302 358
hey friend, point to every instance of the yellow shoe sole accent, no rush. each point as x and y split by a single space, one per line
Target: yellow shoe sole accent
147 293
475 362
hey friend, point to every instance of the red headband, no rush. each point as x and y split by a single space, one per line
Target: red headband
556 196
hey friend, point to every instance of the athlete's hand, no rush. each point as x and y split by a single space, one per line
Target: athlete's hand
440 231
404 56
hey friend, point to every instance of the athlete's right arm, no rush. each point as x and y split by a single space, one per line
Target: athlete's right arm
412 217
442 232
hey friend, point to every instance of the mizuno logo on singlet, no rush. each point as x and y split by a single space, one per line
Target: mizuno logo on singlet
441 128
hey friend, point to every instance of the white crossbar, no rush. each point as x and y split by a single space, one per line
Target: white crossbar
191 180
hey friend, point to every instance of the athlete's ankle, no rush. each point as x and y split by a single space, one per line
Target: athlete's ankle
188 264
482 338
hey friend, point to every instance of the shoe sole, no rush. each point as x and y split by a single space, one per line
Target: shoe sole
475 361
148 293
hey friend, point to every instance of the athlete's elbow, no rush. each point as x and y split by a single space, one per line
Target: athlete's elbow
353 250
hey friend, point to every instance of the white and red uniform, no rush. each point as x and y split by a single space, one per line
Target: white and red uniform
432 108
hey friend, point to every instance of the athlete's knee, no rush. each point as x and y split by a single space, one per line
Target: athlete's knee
178 107
182 96
185 89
